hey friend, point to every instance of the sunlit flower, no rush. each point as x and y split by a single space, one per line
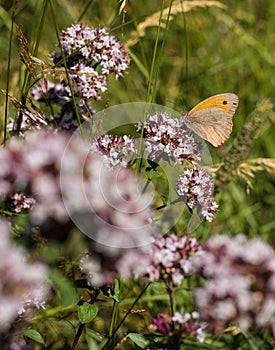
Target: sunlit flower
196 188
167 138
91 55
116 149
240 284
172 258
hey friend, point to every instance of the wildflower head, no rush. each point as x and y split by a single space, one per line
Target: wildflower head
172 258
92 54
167 138
116 149
195 186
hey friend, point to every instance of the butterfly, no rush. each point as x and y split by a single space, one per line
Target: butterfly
212 118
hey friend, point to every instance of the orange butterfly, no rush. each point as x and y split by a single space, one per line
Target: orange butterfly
211 119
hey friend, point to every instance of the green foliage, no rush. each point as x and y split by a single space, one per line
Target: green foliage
34 335
139 340
87 312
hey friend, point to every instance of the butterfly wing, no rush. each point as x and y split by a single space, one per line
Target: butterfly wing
211 119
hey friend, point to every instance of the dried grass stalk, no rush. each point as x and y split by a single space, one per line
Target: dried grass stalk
248 168
177 8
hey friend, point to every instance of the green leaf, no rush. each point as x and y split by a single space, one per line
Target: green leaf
165 200
116 294
113 293
87 312
34 335
63 287
139 340
254 344
93 339
151 173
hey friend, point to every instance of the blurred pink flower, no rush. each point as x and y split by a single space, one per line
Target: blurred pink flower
22 284
240 284
32 167
69 181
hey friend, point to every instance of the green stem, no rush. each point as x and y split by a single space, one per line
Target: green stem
65 64
124 318
8 71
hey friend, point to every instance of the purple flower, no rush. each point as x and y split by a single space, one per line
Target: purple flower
240 284
91 55
181 324
21 202
116 148
172 258
162 323
167 138
196 187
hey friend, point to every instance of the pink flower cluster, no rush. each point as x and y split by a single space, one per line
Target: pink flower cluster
172 258
23 283
20 202
167 138
91 55
240 286
197 186
116 149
